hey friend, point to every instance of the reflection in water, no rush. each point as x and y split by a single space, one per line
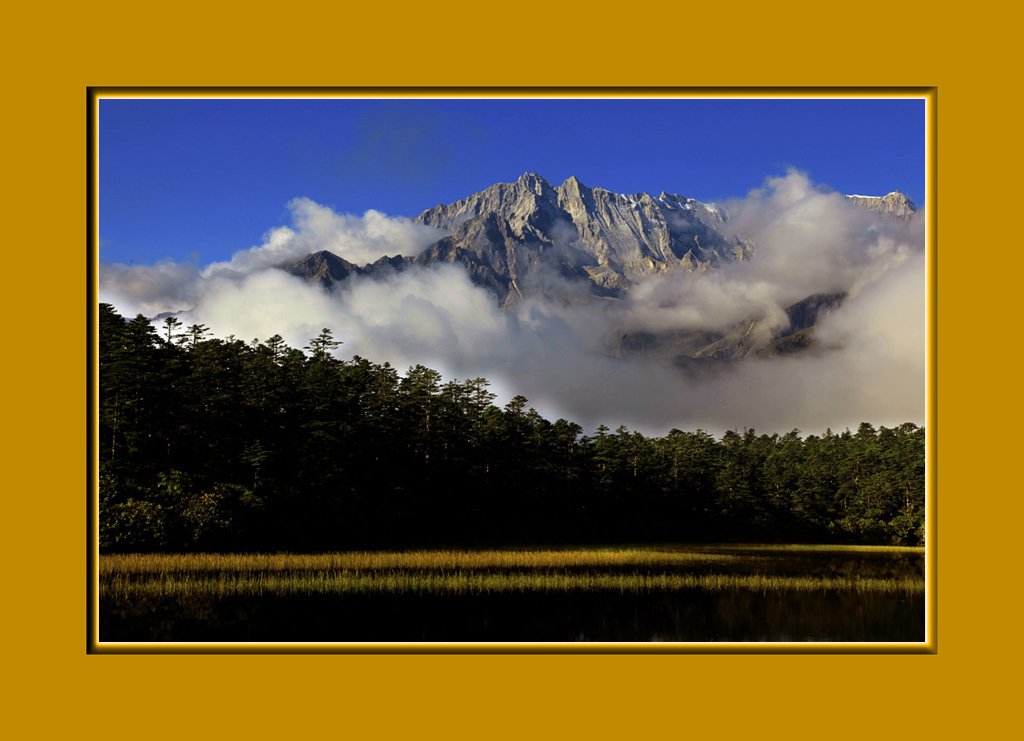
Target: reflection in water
688 616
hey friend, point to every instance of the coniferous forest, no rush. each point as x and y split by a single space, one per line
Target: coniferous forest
214 445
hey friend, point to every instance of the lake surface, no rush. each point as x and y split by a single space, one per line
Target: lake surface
683 615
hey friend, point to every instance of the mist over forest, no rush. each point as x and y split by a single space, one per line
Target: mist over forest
868 363
210 444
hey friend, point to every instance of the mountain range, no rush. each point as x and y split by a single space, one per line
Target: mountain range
574 244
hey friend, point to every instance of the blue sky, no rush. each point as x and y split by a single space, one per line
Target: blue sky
200 179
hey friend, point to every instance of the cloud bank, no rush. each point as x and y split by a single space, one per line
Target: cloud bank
173 286
869 365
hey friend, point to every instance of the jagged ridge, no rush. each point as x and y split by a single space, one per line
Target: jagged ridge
512 237
608 240
895 204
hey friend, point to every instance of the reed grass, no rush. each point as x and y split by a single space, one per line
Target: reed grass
321 583
411 560
455 573
796 547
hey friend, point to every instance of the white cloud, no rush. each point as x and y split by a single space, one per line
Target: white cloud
358 239
150 289
809 239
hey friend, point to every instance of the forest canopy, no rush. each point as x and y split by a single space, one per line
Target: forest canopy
210 444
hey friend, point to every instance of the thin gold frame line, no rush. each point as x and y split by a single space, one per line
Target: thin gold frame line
929 94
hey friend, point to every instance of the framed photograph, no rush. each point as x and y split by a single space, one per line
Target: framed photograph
429 370
958 678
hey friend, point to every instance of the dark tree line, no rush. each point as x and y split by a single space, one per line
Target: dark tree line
219 444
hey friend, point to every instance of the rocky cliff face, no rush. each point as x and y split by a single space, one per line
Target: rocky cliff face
325 268
607 240
512 238
895 204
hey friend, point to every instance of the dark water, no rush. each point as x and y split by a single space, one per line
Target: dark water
692 615
679 616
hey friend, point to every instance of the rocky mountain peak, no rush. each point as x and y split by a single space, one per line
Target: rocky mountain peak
321 267
512 238
572 186
605 240
535 183
895 203
899 204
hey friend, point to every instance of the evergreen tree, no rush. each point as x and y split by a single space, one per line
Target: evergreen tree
219 444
